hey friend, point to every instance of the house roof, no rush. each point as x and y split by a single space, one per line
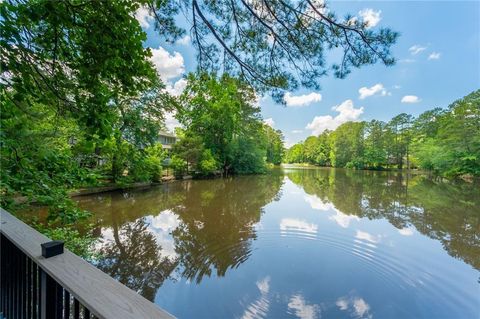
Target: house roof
163 133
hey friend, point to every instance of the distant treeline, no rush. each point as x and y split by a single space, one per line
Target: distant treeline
445 141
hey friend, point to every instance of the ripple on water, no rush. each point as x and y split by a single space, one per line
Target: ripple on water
372 255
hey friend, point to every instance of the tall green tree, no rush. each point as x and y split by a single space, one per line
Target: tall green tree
223 113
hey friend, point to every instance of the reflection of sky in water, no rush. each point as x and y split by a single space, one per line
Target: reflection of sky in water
310 258
161 226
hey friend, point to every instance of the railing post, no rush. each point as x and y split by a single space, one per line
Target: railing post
47 296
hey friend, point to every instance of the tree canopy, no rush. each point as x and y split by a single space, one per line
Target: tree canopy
223 127
446 141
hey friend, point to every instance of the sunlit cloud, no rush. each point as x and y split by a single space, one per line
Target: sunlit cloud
342 219
405 232
377 89
183 41
347 112
406 60
410 99
317 203
416 49
370 16
301 100
168 65
301 309
259 308
270 122
161 226
143 17
354 305
289 224
177 88
368 237
360 306
171 122
434 56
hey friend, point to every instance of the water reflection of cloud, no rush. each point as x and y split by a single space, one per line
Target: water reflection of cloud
301 309
342 219
368 237
161 226
259 308
289 224
406 231
355 305
317 203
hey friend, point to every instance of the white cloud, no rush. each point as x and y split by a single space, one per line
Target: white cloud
317 203
368 237
183 41
370 16
360 306
297 131
143 17
434 56
347 112
376 89
355 305
301 100
410 99
342 303
168 65
289 224
259 308
161 226
415 49
405 232
342 219
270 122
264 285
396 86
302 309
289 143
171 122
177 88
406 60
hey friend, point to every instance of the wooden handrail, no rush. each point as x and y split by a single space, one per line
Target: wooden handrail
101 294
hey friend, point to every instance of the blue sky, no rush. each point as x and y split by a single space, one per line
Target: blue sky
438 61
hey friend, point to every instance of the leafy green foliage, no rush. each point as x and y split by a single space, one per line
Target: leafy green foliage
224 128
178 165
444 141
279 45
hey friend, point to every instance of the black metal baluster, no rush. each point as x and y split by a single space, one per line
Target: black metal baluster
66 308
2 275
76 309
58 301
30 288
35 308
16 289
3 272
23 282
86 313
10 280
48 292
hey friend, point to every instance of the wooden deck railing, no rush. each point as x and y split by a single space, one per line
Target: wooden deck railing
64 286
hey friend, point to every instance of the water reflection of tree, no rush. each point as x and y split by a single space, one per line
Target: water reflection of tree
447 212
217 223
134 258
216 228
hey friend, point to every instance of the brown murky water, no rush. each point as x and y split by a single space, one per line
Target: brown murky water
297 243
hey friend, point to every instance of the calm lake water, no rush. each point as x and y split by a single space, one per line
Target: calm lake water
297 243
